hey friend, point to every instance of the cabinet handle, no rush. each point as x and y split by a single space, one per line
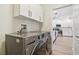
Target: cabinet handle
39 17
17 41
28 12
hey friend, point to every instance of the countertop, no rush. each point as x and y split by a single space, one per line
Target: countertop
28 34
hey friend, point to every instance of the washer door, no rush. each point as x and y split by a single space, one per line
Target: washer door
30 48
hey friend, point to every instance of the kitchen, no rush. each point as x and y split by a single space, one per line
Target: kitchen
22 22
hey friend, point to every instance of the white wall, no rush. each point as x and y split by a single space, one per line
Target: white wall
64 17
8 24
47 19
48 15
76 19
31 25
5 24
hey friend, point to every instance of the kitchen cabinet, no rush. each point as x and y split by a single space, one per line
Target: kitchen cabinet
63 13
41 14
59 14
36 12
21 10
31 11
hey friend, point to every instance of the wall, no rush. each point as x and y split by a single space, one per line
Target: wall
5 24
31 25
8 24
76 19
47 19
64 17
48 15
49 22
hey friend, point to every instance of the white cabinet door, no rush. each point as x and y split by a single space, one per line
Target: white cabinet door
63 13
16 9
32 11
41 13
21 10
24 10
37 12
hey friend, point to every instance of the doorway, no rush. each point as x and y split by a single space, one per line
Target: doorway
63 43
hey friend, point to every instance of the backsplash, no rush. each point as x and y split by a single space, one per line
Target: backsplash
31 25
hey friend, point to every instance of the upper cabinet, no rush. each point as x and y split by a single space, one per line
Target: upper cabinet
41 14
31 11
63 13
